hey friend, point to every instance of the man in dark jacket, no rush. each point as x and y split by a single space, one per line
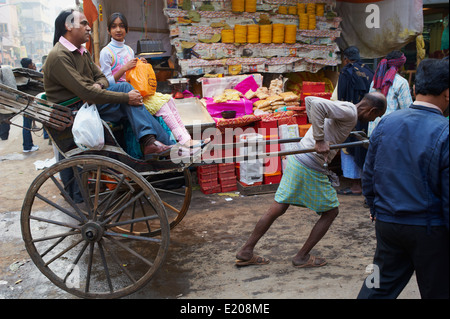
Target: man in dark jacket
405 182
353 84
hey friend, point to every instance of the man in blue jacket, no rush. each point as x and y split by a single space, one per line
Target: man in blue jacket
405 182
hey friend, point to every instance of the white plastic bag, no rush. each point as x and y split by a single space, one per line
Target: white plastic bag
87 129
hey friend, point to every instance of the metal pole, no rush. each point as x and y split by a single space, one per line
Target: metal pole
234 159
1 48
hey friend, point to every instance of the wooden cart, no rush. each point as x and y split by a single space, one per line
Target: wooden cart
111 242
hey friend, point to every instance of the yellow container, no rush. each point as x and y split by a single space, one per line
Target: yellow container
312 22
292 10
253 33
303 21
282 10
250 5
278 33
240 33
265 33
301 8
290 35
311 8
228 36
238 5
320 9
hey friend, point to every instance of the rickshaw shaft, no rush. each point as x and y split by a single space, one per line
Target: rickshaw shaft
239 158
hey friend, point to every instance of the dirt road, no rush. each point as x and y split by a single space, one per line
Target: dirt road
200 262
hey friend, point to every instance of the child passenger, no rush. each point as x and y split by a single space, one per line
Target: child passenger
117 58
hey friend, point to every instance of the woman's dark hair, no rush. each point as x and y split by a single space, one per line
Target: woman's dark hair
432 77
113 18
60 24
394 55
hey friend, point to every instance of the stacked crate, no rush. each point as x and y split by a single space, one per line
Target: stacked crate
314 89
272 166
208 178
227 177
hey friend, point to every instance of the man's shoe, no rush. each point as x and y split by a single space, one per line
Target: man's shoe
34 148
156 149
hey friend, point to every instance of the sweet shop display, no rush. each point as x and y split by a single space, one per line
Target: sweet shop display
232 49
247 36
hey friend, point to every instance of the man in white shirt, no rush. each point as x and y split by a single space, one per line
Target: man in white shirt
306 181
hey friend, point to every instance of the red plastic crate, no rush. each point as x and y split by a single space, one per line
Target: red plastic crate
208 169
323 95
207 176
208 183
225 175
228 181
267 127
309 87
272 178
226 167
301 119
229 188
272 164
211 190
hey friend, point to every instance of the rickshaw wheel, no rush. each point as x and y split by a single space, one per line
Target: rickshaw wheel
77 246
175 201
175 192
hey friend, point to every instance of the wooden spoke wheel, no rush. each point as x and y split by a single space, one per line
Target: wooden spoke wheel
175 191
89 249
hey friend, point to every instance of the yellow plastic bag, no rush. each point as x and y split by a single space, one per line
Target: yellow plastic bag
142 78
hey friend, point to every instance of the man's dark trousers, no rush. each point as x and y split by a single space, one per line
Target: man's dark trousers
403 249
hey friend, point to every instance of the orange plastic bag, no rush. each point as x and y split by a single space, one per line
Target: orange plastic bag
142 78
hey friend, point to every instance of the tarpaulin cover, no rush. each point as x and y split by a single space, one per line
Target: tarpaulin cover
379 27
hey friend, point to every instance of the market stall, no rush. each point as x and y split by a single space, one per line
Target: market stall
256 61
272 36
239 66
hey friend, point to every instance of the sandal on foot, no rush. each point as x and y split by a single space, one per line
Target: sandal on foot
311 263
255 260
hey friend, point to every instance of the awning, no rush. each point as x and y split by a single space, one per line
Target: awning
379 27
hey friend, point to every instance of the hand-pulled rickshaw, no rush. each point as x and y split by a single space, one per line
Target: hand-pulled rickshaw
113 242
